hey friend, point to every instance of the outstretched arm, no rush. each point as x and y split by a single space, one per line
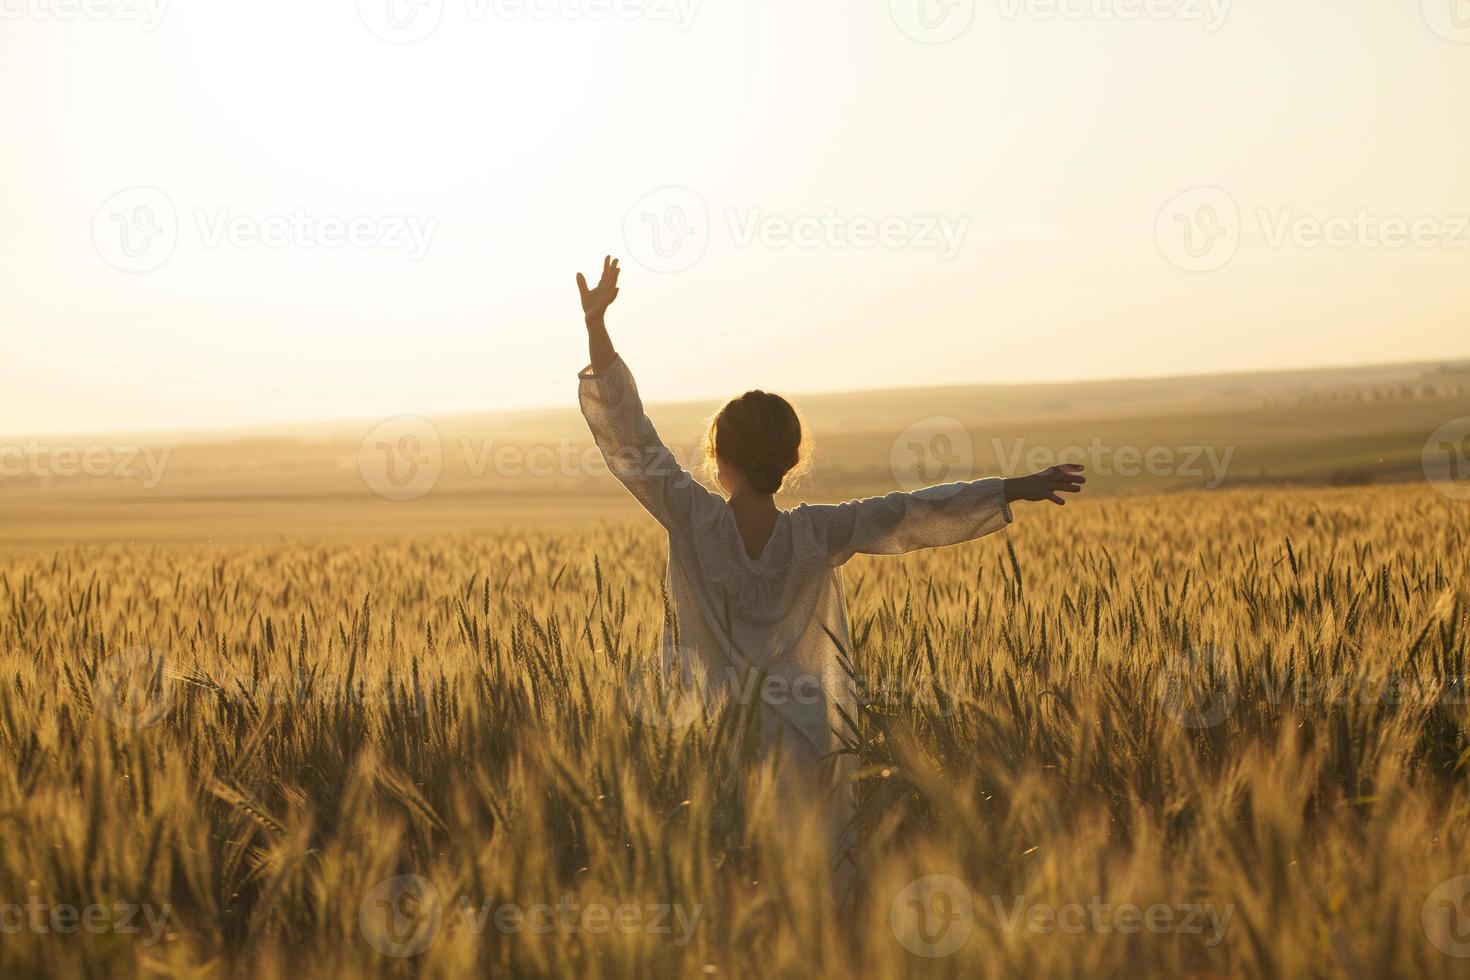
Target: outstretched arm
934 517
594 308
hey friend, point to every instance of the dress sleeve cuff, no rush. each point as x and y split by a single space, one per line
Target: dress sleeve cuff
609 389
616 367
998 487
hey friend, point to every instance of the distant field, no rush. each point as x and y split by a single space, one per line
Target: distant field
43 523
1348 426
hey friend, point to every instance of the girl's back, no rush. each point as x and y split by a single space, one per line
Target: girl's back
756 608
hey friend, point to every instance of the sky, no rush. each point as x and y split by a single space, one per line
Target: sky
222 215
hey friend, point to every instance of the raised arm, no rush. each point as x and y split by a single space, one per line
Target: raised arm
614 411
934 517
594 309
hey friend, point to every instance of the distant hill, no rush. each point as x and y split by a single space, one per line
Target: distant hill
1341 425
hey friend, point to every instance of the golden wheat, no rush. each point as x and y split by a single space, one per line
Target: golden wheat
1247 703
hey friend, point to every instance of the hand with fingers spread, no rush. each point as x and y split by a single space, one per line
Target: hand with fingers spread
595 301
594 307
1047 485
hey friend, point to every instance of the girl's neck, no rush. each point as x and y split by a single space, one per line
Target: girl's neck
748 502
756 517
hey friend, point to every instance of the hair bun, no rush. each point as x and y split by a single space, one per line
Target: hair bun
766 472
759 434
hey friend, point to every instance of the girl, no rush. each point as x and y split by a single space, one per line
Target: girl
752 587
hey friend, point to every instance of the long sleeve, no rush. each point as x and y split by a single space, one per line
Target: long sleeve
902 522
632 448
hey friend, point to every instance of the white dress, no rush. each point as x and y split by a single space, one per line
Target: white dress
732 614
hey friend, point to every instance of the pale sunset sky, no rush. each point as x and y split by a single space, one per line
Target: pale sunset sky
428 177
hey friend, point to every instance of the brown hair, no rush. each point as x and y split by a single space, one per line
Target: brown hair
759 434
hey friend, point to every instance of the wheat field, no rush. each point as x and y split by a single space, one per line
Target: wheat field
1197 734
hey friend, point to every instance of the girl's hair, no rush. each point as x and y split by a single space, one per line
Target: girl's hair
761 435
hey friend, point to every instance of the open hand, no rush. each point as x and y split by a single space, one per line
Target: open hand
596 301
1047 485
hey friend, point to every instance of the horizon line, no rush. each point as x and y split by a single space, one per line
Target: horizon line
281 427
